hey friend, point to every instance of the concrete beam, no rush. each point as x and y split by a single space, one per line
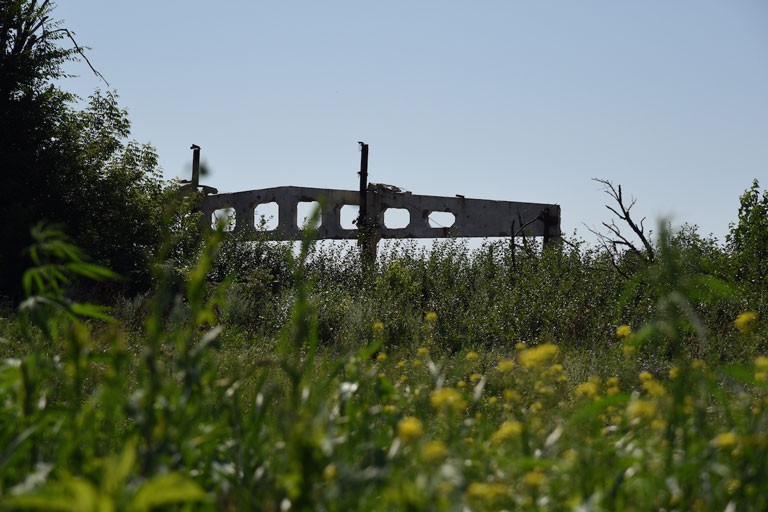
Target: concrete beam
473 217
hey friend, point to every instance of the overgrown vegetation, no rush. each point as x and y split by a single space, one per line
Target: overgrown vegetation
240 374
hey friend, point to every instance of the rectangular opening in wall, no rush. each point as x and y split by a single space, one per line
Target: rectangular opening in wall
441 219
305 210
265 216
396 218
348 215
224 217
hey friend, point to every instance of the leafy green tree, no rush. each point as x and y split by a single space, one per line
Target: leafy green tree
65 166
748 238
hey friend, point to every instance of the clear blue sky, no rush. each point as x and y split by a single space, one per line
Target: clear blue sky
513 100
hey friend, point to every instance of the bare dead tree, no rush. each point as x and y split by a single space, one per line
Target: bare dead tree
615 242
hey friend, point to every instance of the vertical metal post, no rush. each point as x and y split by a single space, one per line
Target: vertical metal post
366 238
363 214
195 166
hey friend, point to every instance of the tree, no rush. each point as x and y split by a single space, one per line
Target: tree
748 238
66 166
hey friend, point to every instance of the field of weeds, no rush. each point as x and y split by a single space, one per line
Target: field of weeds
508 377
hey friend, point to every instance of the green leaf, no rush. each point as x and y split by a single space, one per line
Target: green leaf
168 489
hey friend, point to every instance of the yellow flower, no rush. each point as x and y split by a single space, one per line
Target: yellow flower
538 356
589 389
505 365
475 377
381 357
641 409
520 346
511 395
422 352
471 356
761 363
746 322
431 317
487 493
623 331
461 384
674 372
434 452
654 388
535 478
612 386
448 399
329 472
409 429
378 328
401 364
645 376
507 430
725 440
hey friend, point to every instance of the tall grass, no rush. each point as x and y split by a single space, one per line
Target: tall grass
502 378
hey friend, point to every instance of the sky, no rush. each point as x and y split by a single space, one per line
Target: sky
510 100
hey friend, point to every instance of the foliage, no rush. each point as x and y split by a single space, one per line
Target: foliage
189 411
748 242
66 166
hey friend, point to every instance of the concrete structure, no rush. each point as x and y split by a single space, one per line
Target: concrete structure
472 217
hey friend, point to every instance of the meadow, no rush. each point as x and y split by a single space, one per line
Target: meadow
505 377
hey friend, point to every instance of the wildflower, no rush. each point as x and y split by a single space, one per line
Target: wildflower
475 377
761 369
544 389
645 376
536 407
418 363
725 440
487 493
507 430
329 472
511 395
612 386
447 399
461 384
471 356
505 365
654 388
641 409
538 356
623 331
377 328
674 372
535 478
745 322
431 317
409 429
381 357
401 364
492 400
520 346
422 352
434 452
589 389
698 364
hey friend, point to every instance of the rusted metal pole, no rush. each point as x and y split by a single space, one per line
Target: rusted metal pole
363 214
195 166
366 238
